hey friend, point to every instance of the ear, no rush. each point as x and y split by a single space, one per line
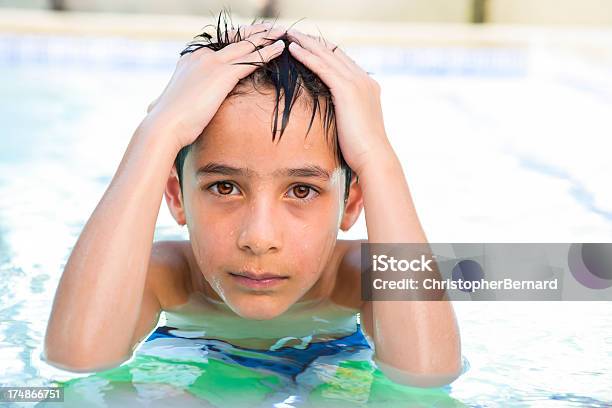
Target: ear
174 198
353 206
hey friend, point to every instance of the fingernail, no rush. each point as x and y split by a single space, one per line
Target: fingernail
279 43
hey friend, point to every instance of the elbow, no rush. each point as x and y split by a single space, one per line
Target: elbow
79 361
429 378
76 364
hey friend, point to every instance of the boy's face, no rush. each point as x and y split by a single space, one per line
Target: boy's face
278 214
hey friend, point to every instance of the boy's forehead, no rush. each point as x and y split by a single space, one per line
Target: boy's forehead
241 132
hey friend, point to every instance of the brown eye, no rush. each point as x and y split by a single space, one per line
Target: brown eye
302 192
223 188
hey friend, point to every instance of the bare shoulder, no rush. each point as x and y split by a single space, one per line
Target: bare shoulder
164 286
347 289
169 272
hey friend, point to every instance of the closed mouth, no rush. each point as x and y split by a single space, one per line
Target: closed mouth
256 277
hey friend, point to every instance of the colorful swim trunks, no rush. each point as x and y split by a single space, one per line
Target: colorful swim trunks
286 360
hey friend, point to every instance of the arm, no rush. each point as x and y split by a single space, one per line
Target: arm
101 293
416 342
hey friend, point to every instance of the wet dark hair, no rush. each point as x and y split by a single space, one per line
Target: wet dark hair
286 75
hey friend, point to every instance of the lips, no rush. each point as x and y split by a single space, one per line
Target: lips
258 281
258 276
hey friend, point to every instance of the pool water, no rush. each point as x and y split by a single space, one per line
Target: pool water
334 373
502 144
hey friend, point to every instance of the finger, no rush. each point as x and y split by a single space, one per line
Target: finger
250 44
341 56
348 61
319 47
249 63
315 63
314 44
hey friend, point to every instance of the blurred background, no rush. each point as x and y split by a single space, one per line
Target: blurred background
587 12
500 111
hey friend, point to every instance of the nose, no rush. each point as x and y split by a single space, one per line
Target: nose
260 231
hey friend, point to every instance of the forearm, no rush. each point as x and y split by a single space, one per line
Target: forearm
99 295
419 337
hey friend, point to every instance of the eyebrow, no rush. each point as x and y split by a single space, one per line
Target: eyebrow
311 170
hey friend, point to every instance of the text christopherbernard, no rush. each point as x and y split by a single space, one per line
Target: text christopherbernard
382 263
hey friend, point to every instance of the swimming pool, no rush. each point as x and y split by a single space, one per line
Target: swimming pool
499 144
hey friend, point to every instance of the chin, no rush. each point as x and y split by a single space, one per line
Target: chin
259 307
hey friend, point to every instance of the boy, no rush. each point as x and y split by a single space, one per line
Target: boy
262 217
